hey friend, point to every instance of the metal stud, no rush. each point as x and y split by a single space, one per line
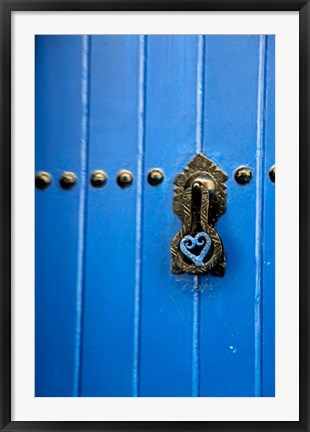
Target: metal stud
98 178
155 177
43 179
243 175
67 180
272 174
124 178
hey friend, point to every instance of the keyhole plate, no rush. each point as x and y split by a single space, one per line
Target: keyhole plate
197 248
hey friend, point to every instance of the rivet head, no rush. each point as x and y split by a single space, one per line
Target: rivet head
243 175
98 178
43 179
272 174
67 180
124 178
155 177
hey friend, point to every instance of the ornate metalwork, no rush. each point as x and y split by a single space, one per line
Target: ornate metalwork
200 199
188 242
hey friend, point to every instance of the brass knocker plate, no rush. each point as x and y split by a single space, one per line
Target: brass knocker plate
200 199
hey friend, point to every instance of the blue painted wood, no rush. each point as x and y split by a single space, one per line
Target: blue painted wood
111 318
227 345
268 336
59 131
170 141
110 266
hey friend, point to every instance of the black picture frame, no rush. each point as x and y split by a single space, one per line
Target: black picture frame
6 8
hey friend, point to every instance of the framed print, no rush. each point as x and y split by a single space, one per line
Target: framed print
152 271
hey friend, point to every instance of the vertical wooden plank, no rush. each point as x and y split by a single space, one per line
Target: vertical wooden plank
108 335
230 139
268 336
166 338
59 131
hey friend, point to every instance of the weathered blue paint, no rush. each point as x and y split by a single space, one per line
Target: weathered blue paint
229 327
59 146
170 135
110 280
111 318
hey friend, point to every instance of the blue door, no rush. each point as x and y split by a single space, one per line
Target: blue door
112 319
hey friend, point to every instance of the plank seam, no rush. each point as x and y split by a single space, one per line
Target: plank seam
197 279
139 210
82 215
259 219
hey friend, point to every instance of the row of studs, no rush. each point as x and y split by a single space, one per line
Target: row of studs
98 178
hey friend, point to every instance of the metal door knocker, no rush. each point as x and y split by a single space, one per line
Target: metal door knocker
200 199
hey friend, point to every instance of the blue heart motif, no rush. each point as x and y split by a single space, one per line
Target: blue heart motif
188 243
